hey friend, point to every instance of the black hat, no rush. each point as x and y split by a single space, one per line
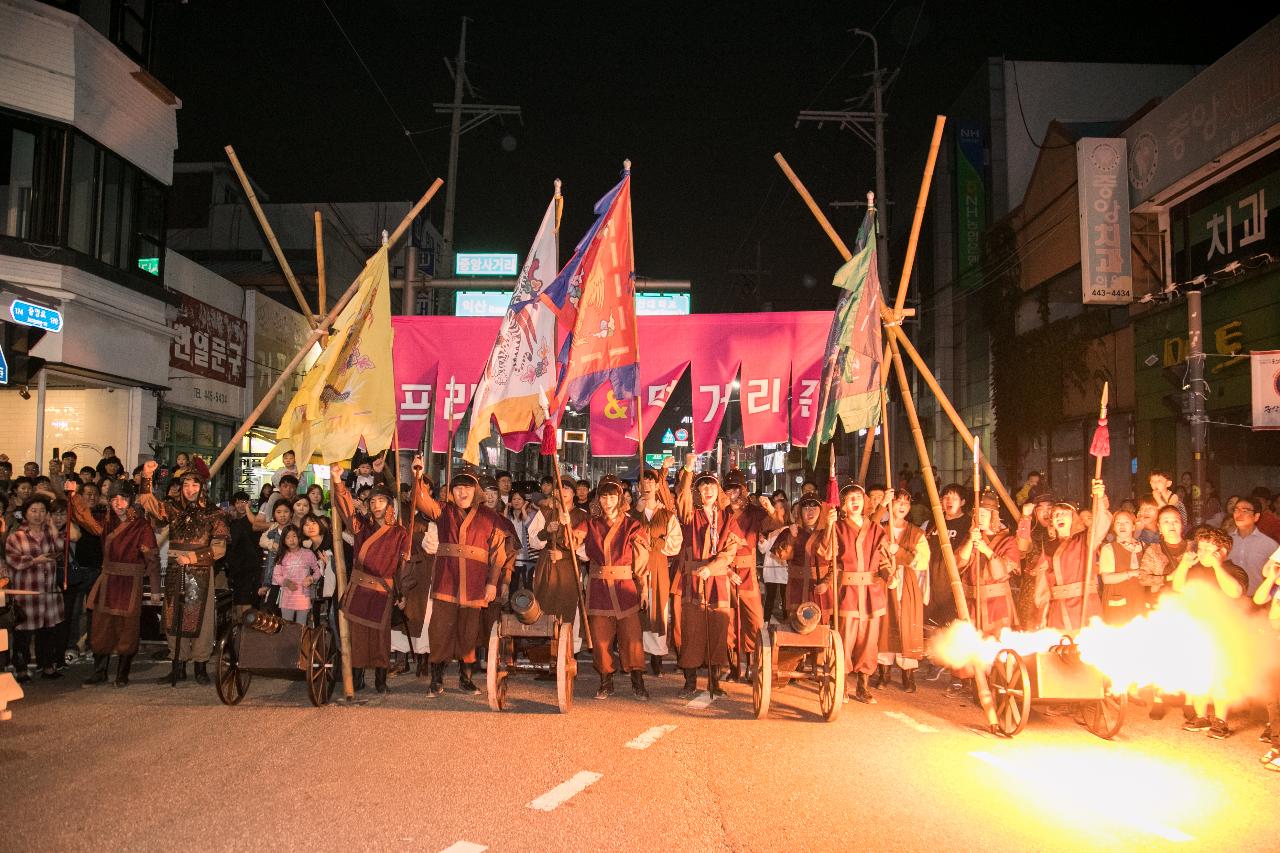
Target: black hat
125 489
610 484
487 481
852 487
809 500
705 477
1045 497
735 479
467 475
1066 505
989 500
380 490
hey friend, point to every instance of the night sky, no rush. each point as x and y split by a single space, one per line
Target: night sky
699 96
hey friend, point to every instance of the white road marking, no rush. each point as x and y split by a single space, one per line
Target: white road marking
465 847
647 739
910 721
701 701
562 792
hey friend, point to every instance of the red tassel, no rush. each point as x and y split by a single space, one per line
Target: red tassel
1101 444
833 491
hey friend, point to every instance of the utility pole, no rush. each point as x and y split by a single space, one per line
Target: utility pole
756 274
858 121
476 114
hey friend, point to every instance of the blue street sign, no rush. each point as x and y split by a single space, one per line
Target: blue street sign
30 314
4 369
669 437
682 434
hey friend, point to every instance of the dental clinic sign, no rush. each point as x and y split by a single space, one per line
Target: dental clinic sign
1106 264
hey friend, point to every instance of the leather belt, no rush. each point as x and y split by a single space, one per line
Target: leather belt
716 572
611 573
856 579
996 589
463 552
1117 577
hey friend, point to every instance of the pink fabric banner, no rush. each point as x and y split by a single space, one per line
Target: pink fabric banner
780 356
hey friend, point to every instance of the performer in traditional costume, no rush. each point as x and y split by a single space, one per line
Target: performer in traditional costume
749 521
863 597
198 535
1060 581
986 560
129 553
656 510
617 549
901 638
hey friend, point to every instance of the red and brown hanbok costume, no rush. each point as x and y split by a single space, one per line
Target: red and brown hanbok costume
1060 586
995 611
863 599
379 551
901 639
129 553
808 560
705 605
617 552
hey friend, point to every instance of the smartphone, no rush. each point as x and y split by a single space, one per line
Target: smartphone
56 454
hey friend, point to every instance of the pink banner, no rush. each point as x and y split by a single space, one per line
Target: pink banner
780 357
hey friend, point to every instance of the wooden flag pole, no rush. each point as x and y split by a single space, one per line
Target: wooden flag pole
271 236
1094 506
890 324
980 600
320 282
340 591
316 334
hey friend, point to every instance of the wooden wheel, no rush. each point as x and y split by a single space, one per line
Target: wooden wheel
230 681
495 674
762 674
1105 717
322 667
1010 691
831 677
566 668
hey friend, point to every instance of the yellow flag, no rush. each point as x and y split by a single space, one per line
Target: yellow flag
348 395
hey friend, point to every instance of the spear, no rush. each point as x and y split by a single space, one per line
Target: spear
1098 448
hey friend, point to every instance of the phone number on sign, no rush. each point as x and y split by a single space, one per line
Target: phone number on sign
211 396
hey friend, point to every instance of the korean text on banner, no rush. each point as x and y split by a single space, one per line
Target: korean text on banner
1265 370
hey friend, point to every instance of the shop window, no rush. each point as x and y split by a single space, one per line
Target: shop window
182 430
204 433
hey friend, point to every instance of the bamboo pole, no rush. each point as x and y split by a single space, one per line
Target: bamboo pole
922 200
890 323
271 236
316 334
940 522
320 282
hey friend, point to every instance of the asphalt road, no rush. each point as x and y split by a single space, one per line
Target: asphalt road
158 768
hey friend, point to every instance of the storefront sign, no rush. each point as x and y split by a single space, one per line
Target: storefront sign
1266 389
1228 340
971 201
1234 227
1106 272
210 342
278 334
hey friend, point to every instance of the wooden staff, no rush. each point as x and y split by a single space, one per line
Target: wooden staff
889 322
831 543
316 334
340 591
271 237
980 600
564 518
1096 506
320 283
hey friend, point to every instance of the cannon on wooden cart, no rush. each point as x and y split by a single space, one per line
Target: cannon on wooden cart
264 644
527 640
1057 676
805 648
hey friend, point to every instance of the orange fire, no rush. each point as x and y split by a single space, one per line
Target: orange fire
1198 643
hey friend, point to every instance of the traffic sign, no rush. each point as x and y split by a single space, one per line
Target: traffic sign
669 437
4 368
38 316
682 434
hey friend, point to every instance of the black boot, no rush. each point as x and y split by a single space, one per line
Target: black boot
202 672
881 676
655 665
464 679
690 688
860 689
435 687
380 679
122 670
100 663
606 687
909 680
637 685
177 672
713 682
357 679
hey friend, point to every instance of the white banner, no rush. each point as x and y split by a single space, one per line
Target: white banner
1265 370
1106 265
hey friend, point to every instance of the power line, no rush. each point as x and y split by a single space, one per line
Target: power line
1017 90
396 115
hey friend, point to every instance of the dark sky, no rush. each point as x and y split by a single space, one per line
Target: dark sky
699 96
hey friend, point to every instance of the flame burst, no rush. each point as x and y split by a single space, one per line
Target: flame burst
1198 643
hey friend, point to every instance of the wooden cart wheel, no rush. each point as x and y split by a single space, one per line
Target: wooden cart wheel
495 671
230 681
566 668
762 674
831 683
1105 717
1010 691
322 667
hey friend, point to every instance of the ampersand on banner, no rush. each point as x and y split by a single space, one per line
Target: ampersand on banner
614 410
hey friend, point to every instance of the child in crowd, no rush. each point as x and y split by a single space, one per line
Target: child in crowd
296 571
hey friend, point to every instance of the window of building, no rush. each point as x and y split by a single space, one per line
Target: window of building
81 198
17 180
126 23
